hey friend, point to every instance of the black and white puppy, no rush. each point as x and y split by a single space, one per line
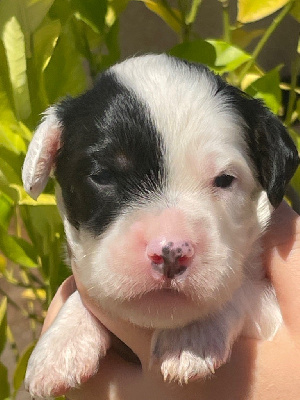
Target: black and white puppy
167 179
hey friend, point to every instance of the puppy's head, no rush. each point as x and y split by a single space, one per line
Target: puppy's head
167 177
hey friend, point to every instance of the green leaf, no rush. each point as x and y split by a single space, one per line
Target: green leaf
4 383
113 47
267 89
3 323
20 370
18 250
228 57
12 132
45 39
65 73
242 38
92 12
295 11
24 199
11 165
171 16
45 230
14 43
196 51
6 210
35 12
254 10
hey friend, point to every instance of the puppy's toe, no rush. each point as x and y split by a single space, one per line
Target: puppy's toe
186 367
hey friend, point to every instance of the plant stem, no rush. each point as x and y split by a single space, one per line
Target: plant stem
276 22
292 96
226 21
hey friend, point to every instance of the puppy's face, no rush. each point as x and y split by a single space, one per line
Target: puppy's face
163 191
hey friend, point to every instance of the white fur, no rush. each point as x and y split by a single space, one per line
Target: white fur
68 353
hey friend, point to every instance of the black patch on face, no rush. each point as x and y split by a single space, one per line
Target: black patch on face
111 154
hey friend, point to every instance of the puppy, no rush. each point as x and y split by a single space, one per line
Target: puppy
167 178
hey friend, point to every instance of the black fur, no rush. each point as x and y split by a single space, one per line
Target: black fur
271 149
110 153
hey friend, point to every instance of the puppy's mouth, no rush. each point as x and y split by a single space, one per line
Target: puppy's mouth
163 295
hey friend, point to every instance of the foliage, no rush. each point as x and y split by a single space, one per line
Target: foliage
50 48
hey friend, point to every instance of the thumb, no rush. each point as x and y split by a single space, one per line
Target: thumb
282 255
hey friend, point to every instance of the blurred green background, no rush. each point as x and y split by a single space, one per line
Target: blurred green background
53 48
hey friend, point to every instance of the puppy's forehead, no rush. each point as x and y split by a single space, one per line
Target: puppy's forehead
187 102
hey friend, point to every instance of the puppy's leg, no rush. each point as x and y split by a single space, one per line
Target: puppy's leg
68 353
196 350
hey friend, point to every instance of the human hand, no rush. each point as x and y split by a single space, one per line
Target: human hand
257 370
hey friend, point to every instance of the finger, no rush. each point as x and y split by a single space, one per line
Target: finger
282 255
64 291
115 379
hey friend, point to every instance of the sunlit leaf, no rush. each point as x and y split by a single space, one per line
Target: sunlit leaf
196 51
20 370
10 140
18 250
31 294
254 10
171 16
4 383
228 57
25 199
14 43
3 323
267 89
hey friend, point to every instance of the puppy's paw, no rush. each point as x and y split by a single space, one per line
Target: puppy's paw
68 353
190 353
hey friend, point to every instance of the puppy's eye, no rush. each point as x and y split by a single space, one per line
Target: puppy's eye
223 181
104 177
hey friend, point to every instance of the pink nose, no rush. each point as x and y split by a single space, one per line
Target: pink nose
170 258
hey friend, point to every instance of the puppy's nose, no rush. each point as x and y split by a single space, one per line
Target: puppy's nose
170 258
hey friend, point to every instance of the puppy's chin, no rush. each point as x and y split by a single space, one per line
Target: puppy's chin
161 309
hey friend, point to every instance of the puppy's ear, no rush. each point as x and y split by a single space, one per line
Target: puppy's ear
41 154
274 154
271 148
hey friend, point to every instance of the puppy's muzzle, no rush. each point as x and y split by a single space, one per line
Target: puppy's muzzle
170 258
